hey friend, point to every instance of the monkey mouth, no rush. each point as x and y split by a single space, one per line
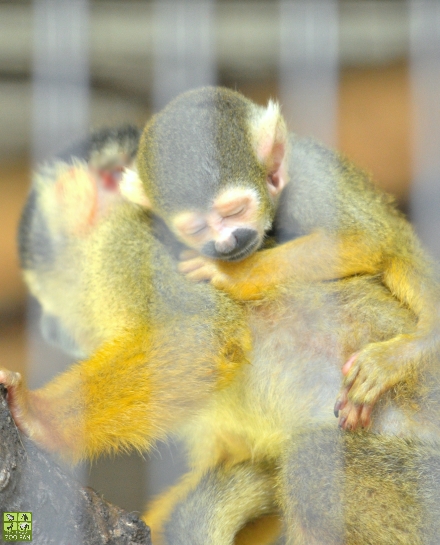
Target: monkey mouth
243 252
247 241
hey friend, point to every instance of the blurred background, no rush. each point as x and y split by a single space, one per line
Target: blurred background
360 75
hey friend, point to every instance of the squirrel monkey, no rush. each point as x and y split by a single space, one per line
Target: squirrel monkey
115 296
74 209
223 173
169 356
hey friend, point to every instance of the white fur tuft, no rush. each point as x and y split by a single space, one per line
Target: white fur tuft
268 130
131 188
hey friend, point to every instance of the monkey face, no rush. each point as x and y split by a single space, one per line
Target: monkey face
211 165
230 230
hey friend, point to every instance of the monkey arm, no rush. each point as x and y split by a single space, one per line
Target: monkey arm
129 393
311 258
319 257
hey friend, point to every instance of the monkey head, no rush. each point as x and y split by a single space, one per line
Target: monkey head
70 194
212 165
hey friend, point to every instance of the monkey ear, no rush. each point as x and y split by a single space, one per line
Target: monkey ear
132 189
270 140
71 201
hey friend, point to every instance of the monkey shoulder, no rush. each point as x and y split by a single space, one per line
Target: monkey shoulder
328 191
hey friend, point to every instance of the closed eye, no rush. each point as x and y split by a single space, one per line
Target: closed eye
195 230
235 212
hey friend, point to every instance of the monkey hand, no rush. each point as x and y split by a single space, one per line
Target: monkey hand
20 405
245 280
367 375
197 267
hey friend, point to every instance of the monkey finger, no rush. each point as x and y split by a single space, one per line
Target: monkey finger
341 401
370 395
185 255
365 390
351 374
191 265
202 274
365 416
349 420
349 364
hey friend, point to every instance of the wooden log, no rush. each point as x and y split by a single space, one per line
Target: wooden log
63 512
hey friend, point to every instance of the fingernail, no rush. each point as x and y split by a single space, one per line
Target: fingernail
341 423
337 408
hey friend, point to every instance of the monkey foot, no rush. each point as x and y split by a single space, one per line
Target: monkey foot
13 382
351 415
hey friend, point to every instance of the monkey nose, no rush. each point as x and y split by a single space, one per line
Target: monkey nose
226 245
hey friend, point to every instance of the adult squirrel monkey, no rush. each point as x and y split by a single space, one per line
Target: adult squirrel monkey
115 296
169 356
58 210
223 173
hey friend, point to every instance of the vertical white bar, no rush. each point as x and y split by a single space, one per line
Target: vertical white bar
60 74
309 66
424 206
308 94
184 58
60 117
184 55
425 83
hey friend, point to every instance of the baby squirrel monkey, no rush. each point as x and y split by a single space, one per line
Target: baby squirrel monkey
115 296
223 173
169 355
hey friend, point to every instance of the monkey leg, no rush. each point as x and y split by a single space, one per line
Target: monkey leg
215 506
311 484
360 489
131 392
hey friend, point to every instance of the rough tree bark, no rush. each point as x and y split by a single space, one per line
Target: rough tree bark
63 512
